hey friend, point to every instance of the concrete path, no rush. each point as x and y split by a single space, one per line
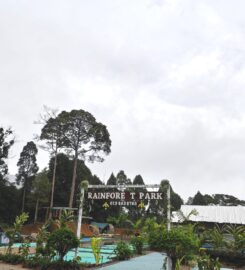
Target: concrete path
151 261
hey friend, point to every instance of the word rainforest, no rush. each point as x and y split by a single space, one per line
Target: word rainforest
125 196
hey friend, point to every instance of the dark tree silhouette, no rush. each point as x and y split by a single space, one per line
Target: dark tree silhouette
27 169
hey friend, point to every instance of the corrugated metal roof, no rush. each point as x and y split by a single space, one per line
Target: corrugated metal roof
214 214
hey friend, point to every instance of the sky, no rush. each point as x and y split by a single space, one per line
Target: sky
167 78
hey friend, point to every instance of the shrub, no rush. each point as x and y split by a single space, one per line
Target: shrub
96 247
138 243
11 258
14 233
37 262
177 243
44 263
62 240
42 238
217 237
123 251
63 265
24 250
206 263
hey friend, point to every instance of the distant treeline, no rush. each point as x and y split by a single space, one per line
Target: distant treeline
72 138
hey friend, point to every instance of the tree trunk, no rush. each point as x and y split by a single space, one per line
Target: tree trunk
23 199
53 184
36 211
173 262
74 176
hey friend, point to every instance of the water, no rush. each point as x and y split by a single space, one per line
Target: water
88 257
17 245
85 253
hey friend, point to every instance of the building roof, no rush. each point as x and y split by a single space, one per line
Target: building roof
100 225
213 214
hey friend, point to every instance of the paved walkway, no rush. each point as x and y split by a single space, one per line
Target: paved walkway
151 261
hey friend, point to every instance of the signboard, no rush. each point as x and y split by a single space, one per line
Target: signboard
126 198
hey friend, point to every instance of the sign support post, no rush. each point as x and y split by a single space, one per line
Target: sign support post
80 215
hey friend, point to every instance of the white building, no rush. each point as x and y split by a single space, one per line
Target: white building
211 214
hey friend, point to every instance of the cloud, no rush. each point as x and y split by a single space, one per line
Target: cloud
166 77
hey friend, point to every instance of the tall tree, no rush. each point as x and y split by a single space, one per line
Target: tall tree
112 180
122 178
41 190
6 141
135 212
138 180
64 172
27 169
199 199
52 133
113 210
9 194
159 208
87 138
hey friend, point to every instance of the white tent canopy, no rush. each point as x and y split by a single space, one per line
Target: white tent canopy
213 213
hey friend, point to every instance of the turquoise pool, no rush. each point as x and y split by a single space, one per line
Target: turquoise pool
87 256
85 253
17 245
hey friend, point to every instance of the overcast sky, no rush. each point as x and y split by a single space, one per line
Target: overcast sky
167 77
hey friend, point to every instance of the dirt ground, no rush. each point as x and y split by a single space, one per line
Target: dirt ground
4 266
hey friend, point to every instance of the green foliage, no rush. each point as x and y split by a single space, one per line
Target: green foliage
41 187
225 199
40 190
14 233
45 263
238 237
96 247
179 263
216 199
205 262
24 250
85 137
42 263
6 141
199 199
177 243
9 194
138 243
217 237
27 168
62 240
122 178
184 219
42 238
84 184
66 217
123 251
122 221
64 171
150 225
158 208
64 265
11 258
52 133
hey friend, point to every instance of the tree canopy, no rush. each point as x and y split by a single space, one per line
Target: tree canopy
27 168
85 137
